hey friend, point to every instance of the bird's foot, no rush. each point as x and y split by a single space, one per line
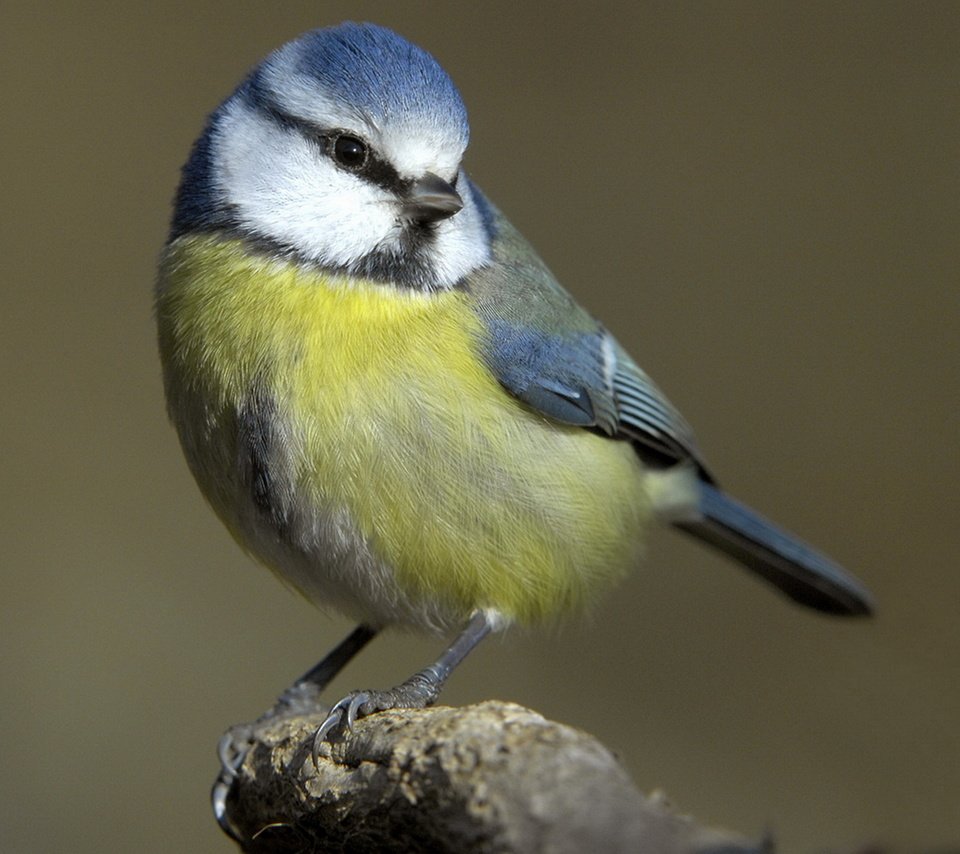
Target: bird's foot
417 692
301 698
233 747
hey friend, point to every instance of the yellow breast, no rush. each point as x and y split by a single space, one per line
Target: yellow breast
472 499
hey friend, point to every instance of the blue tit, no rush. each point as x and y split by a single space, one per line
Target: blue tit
384 393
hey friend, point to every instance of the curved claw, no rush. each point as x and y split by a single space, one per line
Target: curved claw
218 800
320 736
232 751
346 710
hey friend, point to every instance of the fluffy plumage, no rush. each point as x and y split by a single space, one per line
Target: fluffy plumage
387 396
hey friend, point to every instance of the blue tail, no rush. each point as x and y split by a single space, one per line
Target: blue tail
805 575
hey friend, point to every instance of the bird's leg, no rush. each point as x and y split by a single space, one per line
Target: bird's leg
420 690
300 698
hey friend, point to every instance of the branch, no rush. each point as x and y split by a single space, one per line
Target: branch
489 777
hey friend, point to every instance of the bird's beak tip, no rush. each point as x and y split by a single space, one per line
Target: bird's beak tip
431 199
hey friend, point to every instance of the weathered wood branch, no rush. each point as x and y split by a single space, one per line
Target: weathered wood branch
493 777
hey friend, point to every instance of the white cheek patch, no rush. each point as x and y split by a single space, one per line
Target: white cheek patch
281 187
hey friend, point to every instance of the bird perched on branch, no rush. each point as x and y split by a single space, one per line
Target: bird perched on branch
384 393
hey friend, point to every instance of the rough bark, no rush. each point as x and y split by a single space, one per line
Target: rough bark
493 777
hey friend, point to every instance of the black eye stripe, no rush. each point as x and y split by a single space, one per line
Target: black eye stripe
376 170
381 173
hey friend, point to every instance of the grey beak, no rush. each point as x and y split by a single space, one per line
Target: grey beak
431 199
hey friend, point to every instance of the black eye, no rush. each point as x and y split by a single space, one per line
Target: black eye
350 152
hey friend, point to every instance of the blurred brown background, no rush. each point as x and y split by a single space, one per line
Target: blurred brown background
761 200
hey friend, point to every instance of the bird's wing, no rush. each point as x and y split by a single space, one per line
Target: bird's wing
551 354
545 349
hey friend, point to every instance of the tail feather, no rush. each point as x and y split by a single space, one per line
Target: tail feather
802 573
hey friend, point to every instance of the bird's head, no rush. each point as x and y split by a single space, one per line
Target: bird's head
343 150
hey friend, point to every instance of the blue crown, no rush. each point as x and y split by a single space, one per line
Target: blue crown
376 72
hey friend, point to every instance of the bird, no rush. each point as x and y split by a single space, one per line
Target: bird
385 394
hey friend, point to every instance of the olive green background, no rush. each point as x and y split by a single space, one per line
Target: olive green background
762 202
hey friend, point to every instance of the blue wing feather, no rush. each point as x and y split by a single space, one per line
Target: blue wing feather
647 417
547 351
